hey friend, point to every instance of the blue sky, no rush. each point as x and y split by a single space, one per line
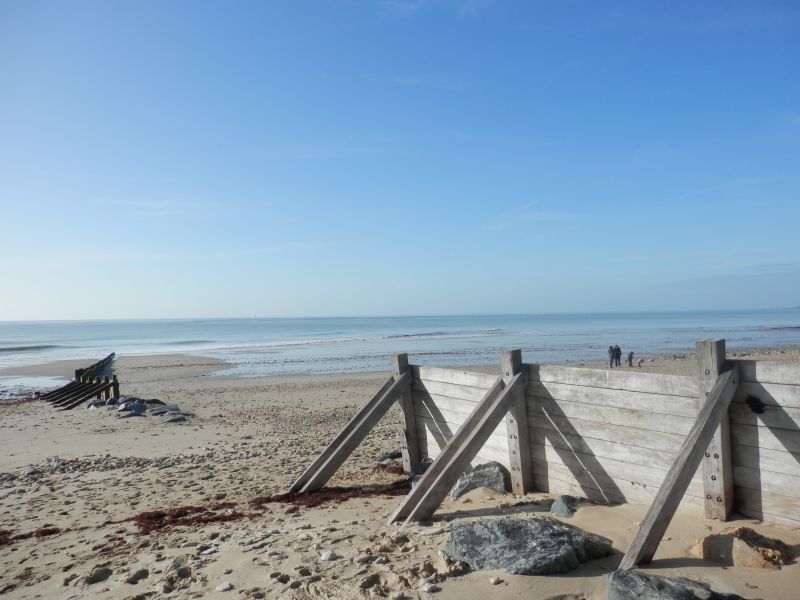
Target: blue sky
168 159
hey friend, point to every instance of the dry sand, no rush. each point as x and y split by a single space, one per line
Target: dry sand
80 475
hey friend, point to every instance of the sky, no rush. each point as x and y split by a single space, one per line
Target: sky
322 158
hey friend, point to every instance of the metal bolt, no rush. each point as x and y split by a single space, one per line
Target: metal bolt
707 455
708 372
719 499
713 478
716 455
708 496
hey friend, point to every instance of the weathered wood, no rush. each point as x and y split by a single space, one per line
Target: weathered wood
766 371
718 478
768 506
519 445
762 437
776 461
454 376
326 464
772 394
435 488
773 417
498 439
451 448
766 481
644 401
680 473
487 453
456 409
115 387
635 419
450 390
617 379
407 422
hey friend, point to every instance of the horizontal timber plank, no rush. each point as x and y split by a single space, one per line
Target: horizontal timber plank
762 437
644 401
450 390
766 481
766 371
539 407
443 403
767 506
603 449
773 417
617 379
605 469
609 432
452 417
468 378
776 461
497 439
774 394
486 454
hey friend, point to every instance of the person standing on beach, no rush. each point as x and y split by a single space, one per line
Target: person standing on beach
617 355
611 356
630 358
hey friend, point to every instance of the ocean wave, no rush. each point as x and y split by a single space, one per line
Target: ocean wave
187 342
31 348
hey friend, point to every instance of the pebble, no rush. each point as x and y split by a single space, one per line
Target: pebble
495 581
225 586
329 555
430 588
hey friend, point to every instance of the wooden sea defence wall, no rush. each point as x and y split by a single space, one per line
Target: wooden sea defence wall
611 435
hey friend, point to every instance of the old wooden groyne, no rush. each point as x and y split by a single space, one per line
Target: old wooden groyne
93 382
726 440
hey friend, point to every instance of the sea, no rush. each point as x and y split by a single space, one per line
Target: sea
259 347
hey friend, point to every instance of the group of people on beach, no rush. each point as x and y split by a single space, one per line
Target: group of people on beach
615 356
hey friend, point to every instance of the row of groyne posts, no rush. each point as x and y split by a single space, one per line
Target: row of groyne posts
93 382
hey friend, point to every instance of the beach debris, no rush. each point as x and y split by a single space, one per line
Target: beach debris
137 576
633 585
393 455
225 586
298 500
539 546
742 547
490 475
98 574
565 506
329 555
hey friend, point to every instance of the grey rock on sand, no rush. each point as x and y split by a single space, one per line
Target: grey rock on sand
490 475
633 585
565 506
539 546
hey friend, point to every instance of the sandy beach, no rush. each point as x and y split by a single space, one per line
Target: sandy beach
74 486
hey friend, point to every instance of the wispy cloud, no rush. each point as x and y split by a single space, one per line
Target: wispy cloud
529 213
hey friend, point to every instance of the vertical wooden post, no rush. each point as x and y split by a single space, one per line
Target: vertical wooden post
717 472
115 387
107 391
408 424
78 374
519 444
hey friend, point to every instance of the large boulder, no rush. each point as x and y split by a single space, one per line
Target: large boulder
635 585
742 547
539 546
490 475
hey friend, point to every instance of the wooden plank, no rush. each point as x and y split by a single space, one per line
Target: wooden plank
635 419
762 437
367 420
468 378
497 440
680 474
766 371
487 454
773 394
444 404
774 417
451 390
717 475
558 481
766 481
519 445
777 461
608 432
455 420
451 449
617 379
644 401
768 506
607 471
407 424
453 464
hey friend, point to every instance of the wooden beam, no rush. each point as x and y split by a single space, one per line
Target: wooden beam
435 487
450 449
717 472
669 495
407 422
353 434
519 445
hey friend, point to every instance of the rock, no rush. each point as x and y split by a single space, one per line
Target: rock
329 555
225 586
137 576
490 475
389 456
429 588
98 574
565 506
634 585
495 581
742 547
539 546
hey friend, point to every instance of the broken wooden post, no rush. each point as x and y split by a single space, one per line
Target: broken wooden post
107 389
97 382
519 445
717 471
115 387
408 422
680 474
